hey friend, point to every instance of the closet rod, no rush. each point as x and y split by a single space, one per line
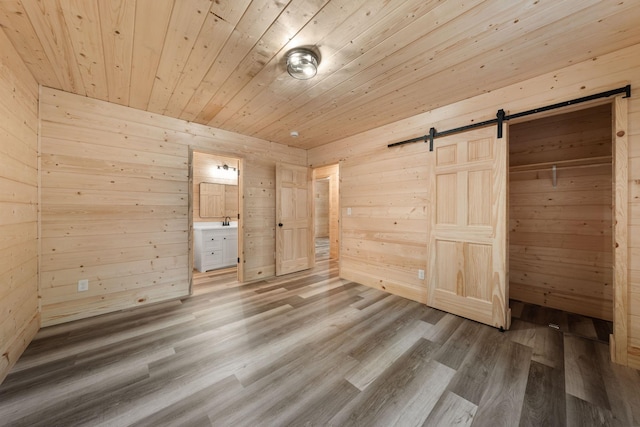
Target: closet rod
560 165
501 117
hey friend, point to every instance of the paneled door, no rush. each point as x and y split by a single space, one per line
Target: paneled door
468 238
295 249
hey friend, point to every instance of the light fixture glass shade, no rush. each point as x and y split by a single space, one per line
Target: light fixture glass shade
302 64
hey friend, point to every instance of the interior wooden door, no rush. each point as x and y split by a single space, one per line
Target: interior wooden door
468 238
294 216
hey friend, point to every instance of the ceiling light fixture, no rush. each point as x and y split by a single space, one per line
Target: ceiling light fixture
302 64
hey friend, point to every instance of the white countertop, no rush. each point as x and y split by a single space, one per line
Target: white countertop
213 225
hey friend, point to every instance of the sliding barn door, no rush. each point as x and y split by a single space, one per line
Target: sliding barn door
468 239
295 249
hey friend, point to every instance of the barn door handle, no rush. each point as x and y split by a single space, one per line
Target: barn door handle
280 224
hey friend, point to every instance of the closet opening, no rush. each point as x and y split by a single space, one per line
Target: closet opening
561 220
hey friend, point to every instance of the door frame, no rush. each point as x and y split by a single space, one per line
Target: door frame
241 213
618 340
320 172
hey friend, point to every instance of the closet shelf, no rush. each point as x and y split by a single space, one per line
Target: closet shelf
578 163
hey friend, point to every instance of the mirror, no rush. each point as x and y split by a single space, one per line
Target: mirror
212 198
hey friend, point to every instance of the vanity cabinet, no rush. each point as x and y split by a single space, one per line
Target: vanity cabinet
215 248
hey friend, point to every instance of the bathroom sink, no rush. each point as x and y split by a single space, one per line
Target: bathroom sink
213 224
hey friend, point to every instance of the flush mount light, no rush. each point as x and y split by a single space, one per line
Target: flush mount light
302 64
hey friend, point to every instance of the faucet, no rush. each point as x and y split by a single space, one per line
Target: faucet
227 220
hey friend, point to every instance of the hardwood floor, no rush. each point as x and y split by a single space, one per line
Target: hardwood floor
310 349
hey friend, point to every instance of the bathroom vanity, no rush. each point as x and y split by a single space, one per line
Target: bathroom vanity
215 245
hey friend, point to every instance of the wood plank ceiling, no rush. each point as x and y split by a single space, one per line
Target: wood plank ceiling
222 62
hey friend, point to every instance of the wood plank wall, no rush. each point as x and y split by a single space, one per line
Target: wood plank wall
560 247
19 317
321 199
115 204
202 164
370 148
332 172
385 220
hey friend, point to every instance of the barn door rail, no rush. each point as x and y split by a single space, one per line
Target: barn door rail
501 117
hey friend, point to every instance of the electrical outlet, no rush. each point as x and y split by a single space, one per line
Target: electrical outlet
349 211
421 274
83 285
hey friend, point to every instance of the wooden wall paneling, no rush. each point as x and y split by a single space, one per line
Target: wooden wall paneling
366 67
101 133
382 85
82 20
256 86
608 71
15 21
172 271
54 282
378 57
89 150
117 25
19 317
124 223
611 71
187 19
108 257
538 35
129 122
151 22
571 136
357 24
384 221
51 28
86 181
236 90
254 22
202 58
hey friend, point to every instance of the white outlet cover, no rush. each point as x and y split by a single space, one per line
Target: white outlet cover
83 285
348 211
421 274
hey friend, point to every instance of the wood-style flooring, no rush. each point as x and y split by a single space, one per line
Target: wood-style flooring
310 349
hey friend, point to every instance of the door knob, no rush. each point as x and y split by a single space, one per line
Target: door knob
280 225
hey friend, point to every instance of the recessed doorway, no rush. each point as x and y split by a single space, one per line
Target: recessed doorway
326 193
215 216
560 212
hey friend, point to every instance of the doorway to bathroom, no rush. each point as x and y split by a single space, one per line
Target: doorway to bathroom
215 205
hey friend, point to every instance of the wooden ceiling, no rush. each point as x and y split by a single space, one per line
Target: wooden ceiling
221 62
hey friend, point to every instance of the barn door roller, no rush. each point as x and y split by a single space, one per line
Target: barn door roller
501 117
